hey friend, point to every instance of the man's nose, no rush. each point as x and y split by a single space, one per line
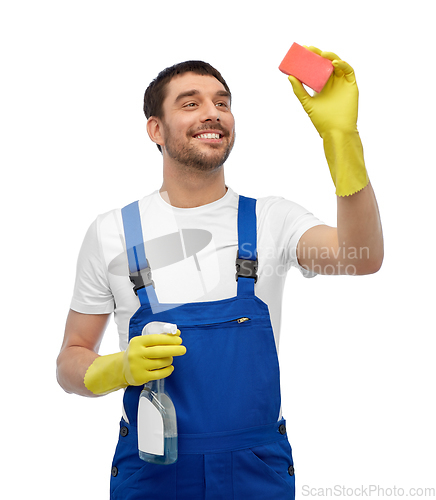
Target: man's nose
210 112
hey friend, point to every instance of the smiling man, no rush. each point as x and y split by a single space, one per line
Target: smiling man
198 255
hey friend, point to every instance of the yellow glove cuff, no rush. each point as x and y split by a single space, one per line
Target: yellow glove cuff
344 154
106 374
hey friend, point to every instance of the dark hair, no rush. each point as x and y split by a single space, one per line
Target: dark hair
156 91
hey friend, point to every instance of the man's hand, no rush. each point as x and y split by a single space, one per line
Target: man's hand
334 114
335 107
150 357
146 358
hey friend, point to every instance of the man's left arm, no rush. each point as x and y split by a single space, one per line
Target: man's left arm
356 245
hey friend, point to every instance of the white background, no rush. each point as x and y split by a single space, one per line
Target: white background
357 354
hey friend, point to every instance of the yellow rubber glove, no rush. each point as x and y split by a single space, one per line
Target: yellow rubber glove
147 357
334 114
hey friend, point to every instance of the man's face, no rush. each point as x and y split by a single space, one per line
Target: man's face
198 125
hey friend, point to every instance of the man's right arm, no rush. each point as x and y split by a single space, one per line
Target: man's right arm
82 339
82 371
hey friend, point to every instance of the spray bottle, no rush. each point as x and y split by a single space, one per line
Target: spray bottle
157 423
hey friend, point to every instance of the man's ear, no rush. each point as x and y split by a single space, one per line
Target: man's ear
154 130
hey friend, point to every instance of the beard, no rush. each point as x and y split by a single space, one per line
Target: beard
188 154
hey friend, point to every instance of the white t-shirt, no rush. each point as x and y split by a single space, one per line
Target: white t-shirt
192 255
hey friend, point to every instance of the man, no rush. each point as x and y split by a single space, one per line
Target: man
212 263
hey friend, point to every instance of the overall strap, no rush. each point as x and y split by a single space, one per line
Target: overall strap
139 270
246 259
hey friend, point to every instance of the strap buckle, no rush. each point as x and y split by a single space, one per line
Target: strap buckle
141 279
246 268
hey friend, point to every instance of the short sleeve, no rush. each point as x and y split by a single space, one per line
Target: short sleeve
299 221
286 222
92 293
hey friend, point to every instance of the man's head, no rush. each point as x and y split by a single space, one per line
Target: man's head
184 100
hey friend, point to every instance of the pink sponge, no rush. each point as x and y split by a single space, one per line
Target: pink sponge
310 68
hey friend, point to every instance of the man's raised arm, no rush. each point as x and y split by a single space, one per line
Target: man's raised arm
356 245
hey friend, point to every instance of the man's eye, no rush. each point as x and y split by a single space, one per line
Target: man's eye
190 105
222 104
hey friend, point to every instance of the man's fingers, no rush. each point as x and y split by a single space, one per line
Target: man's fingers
157 364
341 67
162 351
345 69
330 55
156 346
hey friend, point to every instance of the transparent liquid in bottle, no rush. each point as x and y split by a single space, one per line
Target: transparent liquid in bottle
155 393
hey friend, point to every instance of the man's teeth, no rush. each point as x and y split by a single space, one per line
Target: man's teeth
208 136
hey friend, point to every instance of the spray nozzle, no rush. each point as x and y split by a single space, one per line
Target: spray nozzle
158 327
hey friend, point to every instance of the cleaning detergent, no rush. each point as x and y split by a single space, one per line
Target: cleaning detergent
157 422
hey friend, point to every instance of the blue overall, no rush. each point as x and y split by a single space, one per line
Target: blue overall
225 389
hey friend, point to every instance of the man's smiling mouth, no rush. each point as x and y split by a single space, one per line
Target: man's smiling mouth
208 135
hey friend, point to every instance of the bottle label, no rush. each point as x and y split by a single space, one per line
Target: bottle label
150 428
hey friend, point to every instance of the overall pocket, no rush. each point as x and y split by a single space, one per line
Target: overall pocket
264 472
